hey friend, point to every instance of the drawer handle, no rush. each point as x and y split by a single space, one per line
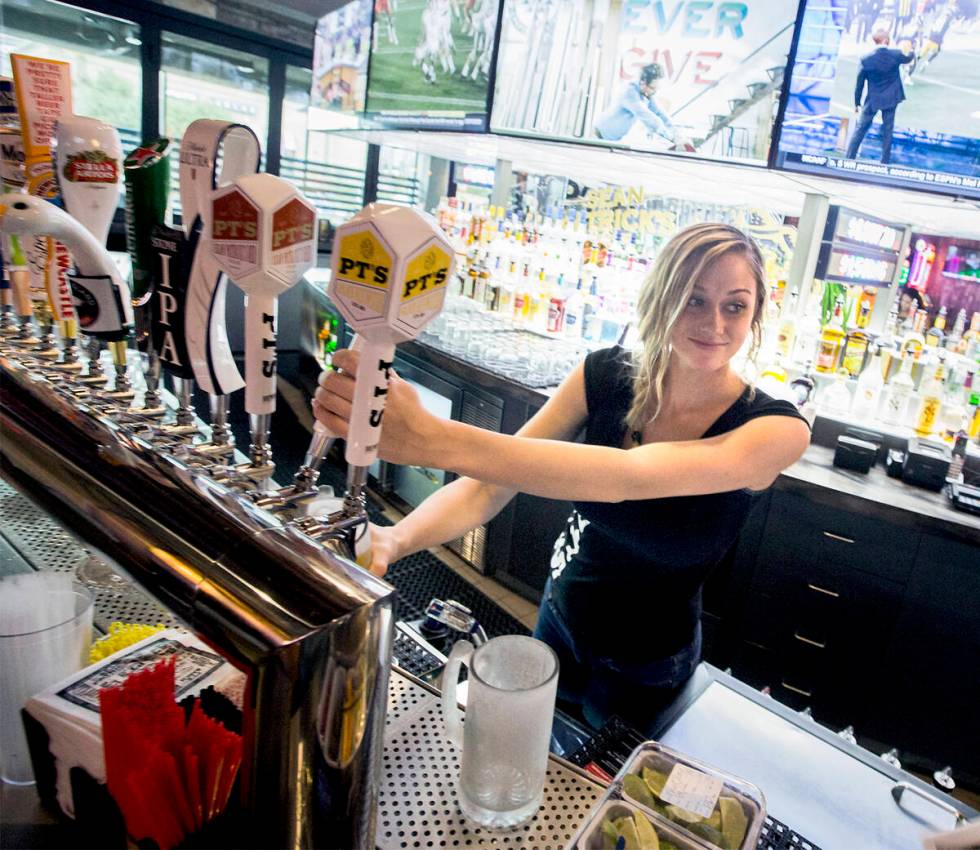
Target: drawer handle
839 537
799 691
824 590
809 641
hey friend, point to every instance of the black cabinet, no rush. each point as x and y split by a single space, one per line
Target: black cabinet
868 622
928 691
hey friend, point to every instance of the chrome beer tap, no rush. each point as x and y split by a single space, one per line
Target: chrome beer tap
104 307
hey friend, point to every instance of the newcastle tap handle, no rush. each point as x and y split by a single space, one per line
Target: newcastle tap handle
102 296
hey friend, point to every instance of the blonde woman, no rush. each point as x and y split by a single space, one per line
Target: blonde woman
675 445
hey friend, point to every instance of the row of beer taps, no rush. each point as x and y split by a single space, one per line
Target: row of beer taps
167 317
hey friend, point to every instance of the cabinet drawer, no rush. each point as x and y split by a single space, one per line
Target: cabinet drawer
803 530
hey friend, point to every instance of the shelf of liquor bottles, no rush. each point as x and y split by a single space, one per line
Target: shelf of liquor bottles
533 292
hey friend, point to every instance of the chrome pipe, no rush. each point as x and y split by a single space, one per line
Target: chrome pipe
312 630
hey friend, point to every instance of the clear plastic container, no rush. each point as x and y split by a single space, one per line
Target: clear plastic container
591 837
704 832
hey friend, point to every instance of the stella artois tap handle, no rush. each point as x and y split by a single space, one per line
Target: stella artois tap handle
206 147
88 157
263 236
390 268
147 175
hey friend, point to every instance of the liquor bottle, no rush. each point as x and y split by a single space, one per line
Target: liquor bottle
522 298
505 305
932 398
937 333
591 326
956 334
807 337
869 388
803 386
492 287
855 351
556 313
831 340
786 335
836 398
895 398
865 306
973 429
913 340
574 305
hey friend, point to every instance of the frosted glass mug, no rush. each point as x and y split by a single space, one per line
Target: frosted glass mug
509 709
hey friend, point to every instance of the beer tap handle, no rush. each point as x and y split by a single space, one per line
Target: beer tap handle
263 236
105 309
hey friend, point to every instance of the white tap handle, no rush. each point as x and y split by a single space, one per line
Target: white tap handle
260 353
370 395
26 215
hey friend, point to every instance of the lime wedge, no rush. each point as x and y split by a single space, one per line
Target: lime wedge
655 780
734 823
645 832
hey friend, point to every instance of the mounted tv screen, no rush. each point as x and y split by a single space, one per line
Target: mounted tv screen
340 57
432 63
651 75
886 93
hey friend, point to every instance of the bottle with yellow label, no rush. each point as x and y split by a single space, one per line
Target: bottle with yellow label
855 351
786 335
831 340
931 394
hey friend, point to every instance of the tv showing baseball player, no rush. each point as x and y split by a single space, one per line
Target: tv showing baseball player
886 91
340 56
432 63
653 75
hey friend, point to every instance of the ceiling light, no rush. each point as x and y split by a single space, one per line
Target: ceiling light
133 40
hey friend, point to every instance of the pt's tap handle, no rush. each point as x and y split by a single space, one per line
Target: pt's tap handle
391 265
263 236
102 297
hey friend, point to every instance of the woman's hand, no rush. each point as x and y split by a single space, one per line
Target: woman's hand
409 433
384 549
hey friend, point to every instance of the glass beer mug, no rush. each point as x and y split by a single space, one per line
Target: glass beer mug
509 709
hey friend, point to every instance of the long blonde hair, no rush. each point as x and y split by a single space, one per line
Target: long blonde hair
682 262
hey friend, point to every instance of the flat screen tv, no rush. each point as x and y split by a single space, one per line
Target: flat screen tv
340 58
650 75
432 63
885 92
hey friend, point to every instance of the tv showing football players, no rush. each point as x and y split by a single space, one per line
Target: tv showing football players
432 63
886 91
657 75
340 56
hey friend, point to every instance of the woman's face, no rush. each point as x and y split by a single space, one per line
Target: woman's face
718 316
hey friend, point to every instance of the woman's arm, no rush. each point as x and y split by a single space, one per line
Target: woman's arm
465 503
751 456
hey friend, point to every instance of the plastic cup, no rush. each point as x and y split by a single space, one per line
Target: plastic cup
32 660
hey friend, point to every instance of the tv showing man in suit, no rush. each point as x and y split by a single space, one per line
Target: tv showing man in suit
885 92
881 74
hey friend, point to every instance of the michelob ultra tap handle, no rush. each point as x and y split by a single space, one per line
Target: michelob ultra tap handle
102 296
390 268
263 236
206 144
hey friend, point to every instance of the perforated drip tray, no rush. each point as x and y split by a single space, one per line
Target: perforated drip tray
45 545
417 800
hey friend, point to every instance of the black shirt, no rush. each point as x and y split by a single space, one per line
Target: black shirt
627 576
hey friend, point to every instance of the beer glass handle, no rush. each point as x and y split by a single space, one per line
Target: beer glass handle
461 653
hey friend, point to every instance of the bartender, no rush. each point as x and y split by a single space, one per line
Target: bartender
677 446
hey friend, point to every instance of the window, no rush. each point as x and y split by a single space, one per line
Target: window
203 80
104 53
